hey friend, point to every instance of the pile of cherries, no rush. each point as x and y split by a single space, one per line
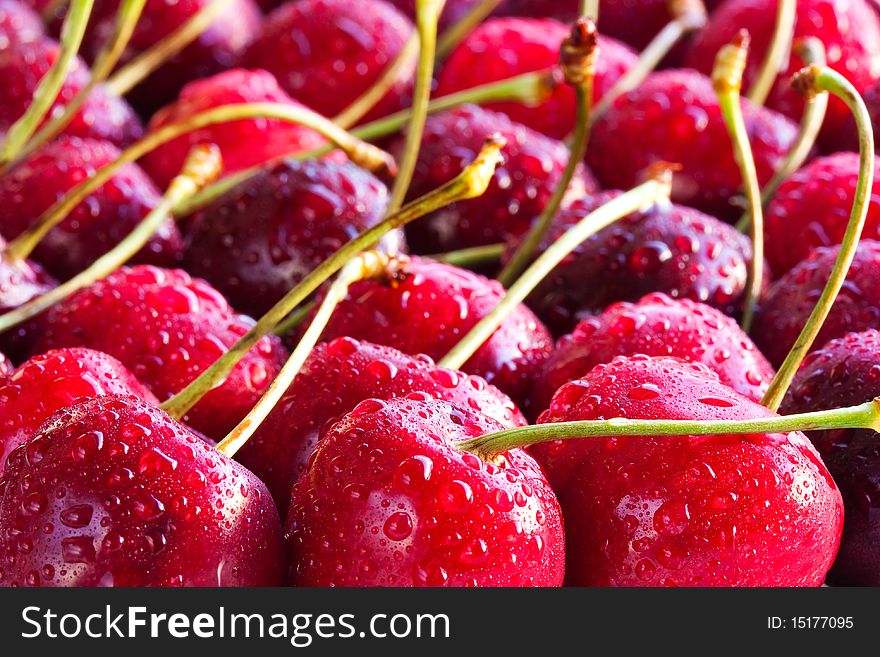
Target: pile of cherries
356 477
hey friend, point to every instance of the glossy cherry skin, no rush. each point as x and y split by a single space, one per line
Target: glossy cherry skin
674 116
503 48
97 224
519 191
259 240
49 382
20 282
18 24
243 143
166 328
430 306
784 310
328 53
668 248
387 500
337 376
132 498
757 510
846 372
657 326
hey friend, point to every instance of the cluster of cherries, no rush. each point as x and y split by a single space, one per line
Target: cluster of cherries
359 474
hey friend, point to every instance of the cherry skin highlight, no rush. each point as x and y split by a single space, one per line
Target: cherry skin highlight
18 24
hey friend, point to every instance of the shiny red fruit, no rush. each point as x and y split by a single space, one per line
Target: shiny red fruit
388 500
18 24
753 510
658 326
131 498
166 328
337 376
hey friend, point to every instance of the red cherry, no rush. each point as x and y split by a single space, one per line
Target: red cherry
754 510
49 382
111 492
658 326
166 328
849 29
6 365
388 500
430 306
20 282
669 248
846 372
260 239
327 53
787 305
338 376
522 186
98 223
103 115
674 116
243 143
18 24
502 48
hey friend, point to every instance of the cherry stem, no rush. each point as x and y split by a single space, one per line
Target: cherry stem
727 81
455 34
294 319
687 16
527 88
369 264
50 85
655 190
808 81
776 60
809 50
475 256
404 61
427 16
202 165
126 21
138 69
590 9
370 156
863 416
578 60
470 183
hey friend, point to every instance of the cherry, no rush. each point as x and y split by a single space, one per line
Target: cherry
502 48
788 303
428 306
669 248
6 366
103 116
844 372
243 143
522 186
20 281
736 510
657 326
327 53
674 116
131 498
166 328
388 500
338 376
261 238
95 225
18 24
52 381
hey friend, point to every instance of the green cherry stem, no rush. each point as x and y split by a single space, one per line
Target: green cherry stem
813 80
776 60
470 183
809 50
369 156
369 264
654 191
590 9
727 81
294 319
50 85
473 257
455 34
687 16
138 69
427 16
126 21
863 416
578 60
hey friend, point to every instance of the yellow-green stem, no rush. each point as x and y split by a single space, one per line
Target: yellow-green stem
294 319
457 33
473 257
776 59
590 9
